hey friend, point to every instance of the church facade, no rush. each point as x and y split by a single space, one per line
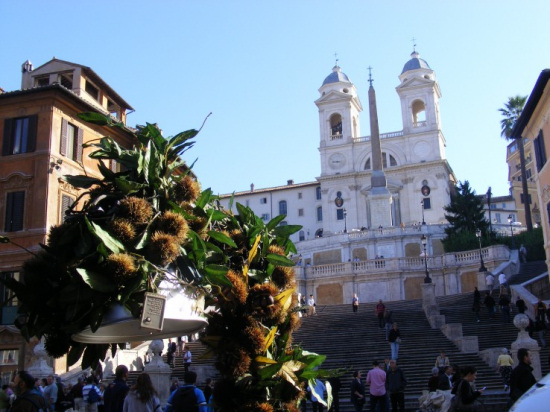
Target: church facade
376 210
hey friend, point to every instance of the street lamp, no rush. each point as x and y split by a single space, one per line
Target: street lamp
427 279
345 221
482 268
511 220
422 207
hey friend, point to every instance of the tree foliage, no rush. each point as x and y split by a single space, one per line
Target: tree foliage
510 113
465 212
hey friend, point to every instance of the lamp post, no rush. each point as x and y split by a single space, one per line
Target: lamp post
482 268
489 195
424 241
422 207
511 220
345 221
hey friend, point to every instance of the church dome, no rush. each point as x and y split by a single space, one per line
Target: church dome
415 63
336 76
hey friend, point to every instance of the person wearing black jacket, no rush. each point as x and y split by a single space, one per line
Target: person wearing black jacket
116 392
521 378
357 391
463 388
489 303
395 385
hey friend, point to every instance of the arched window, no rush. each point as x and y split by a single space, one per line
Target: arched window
318 192
319 214
419 113
319 233
282 207
367 164
336 125
302 235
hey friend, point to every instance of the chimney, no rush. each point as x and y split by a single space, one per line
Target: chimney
26 67
290 182
251 187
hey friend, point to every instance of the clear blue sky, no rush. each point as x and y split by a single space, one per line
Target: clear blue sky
257 66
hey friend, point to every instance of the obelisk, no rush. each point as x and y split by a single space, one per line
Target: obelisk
379 196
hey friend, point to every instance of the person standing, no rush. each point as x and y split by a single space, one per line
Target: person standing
442 361
317 397
504 367
489 303
504 303
89 396
311 305
376 378
187 357
26 399
521 378
116 392
357 392
540 310
520 304
388 322
379 311
355 303
336 385
463 388
142 397
490 280
50 393
187 397
395 385
395 339
522 254
503 282
446 379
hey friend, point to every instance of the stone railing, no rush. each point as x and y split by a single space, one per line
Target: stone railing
336 136
382 136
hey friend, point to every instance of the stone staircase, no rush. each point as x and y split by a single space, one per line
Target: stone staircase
528 271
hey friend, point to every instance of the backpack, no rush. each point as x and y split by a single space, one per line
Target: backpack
93 396
40 406
185 399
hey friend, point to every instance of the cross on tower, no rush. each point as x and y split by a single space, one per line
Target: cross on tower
336 57
370 75
414 44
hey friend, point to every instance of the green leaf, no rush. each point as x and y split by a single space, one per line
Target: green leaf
269 371
222 238
204 198
279 260
215 276
95 118
81 181
110 242
287 230
215 215
129 186
96 281
274 222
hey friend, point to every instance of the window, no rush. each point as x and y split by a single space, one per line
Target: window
336 125
66 202
504 205
282 207
265 217
283 223
19 135
318 193
497 217
427 203
388 157
340 214
367 164
247 202
493 206
92 90
71 141
540 151
67 81
319 233
8 303
319 214
15 205
299 195
263 200
302 235
300 212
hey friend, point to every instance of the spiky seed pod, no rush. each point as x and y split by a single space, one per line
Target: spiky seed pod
123 229
198 224
277 250
253 340
136 209
283 276
57 344
291 407
233 361
162 248
238 292
187 189
121 267
173 224
262 407
57 234
294 322
261 301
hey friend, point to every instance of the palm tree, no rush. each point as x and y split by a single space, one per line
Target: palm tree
511 112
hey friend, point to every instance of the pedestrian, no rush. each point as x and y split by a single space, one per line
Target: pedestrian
187 397
489 303
116 392
388 322
376 379
446 379
522 254
355 303
76 394
520 304
540 310
303 305
395 386
379 311
521 378
208 389
465 396
540 328
503 283
311 306
394 339
357 391
91 395
142 397
504 303
336 385
26 399
179 345
170 354
433 382
187 358
317 396
442 361
504 367
489 280
50 393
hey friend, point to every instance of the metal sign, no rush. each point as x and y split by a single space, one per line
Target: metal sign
152 316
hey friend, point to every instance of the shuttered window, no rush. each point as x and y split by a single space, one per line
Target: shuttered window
71 141
19 135
15 208
66 202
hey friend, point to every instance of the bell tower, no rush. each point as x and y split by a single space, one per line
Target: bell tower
339 109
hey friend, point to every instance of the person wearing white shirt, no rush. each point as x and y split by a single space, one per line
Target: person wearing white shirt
311 304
